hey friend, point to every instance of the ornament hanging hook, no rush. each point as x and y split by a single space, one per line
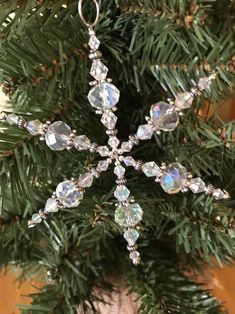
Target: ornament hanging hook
80 12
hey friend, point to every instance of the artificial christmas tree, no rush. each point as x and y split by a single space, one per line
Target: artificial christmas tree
154 50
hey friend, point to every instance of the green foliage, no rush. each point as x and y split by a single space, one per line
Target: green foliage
153 49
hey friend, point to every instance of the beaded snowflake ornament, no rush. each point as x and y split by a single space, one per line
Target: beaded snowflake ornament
104 96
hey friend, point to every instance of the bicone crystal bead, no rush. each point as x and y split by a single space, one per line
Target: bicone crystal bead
34 127
68 194
57 135
81 142
131 236
36 218
109 120
173 178
164 116
218 194
51 205
98 70
144 132
130 215
183 100
104 96
85 180
151 169
197 185
204 83
113 141
103 165
94 42
12 118
119 171
129 161
126 147
103 151
121 193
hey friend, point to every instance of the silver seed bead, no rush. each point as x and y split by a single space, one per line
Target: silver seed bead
91 31
48 122
42 138
93 83
3 116
42 214
94 55
132 248
138 165
109 80
121 181
95 172
209 189
93 147
21 122
112 132
99 112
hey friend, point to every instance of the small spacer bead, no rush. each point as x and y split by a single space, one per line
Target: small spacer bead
95 172
42 214
121 181
112 132
209 189
93 83
42 138
93 147
21 122
138 165
109 80
3 116
134 139
94 55
131 248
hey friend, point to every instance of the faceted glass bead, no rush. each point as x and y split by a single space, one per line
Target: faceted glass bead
34 127
36 218
131 236
121 193
151 169
103 165
51 205
119 171
109 120
197 185
183 100
130 215
81 142
113 141
85 180
68 194
104 96
129 161
164 116
12 119
103 151
134 255
126 147
204 83
98 70
173 178
144 132
57 135
94 42
218 194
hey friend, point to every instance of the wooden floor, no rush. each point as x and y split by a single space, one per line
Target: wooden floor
221 281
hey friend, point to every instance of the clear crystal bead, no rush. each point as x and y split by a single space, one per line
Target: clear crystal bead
173 178
103 151
51 205
134 255
119 171
103 165
109 120
68 194
104 96
151 169
129 161
130 215
57 135
183 100
144 132
94 42
34 127
204 83
131 236
12 118
121 193
85 180
36 218
126 147
197 185
81 142
98 70
164 116
218 194
113 141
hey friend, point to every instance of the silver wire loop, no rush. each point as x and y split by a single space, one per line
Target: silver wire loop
80 12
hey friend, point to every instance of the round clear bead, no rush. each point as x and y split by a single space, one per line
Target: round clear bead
104 96
68 194
164 116
129 215
57 135
173 178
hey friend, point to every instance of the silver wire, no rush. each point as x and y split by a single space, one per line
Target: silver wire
80 12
